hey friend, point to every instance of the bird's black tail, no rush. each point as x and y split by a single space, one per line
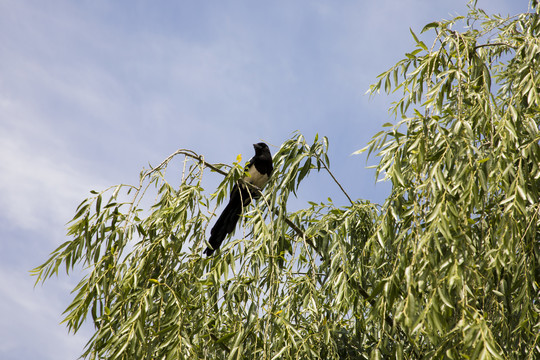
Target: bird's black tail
226 222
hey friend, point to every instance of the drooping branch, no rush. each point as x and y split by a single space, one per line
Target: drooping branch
292 225
188 153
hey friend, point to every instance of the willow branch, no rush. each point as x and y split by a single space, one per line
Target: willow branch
389 321
337 182
495 44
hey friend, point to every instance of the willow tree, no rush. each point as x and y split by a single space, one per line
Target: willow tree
447 267
279 287
459 237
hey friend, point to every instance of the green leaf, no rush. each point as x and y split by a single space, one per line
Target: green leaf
414 35
82 210
225 338
431 25
98 204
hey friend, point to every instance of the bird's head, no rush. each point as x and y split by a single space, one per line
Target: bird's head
260 147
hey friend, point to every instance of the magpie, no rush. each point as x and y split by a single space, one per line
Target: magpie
258 171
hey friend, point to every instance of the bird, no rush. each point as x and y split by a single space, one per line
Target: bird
258 171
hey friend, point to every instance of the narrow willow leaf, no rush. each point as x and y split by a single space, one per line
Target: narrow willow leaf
429 26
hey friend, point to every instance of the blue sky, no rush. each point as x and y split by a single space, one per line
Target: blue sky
92 91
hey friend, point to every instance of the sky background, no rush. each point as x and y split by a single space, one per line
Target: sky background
93 91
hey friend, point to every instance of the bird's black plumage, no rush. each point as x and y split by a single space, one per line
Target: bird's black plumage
258 169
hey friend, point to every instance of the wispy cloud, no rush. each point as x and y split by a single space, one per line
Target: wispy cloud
30 320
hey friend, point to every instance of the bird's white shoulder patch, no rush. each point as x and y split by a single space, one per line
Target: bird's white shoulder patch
256 178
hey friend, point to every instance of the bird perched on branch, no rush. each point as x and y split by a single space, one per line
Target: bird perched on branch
258 171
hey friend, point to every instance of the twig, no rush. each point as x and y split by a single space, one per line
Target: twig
188 153
494 44
337 182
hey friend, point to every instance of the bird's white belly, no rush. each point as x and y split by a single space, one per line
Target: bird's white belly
257 179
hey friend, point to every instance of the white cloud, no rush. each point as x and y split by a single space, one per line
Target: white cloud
30 326
40 185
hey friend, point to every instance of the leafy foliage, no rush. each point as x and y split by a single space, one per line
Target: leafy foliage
447 267
459 236
267 293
